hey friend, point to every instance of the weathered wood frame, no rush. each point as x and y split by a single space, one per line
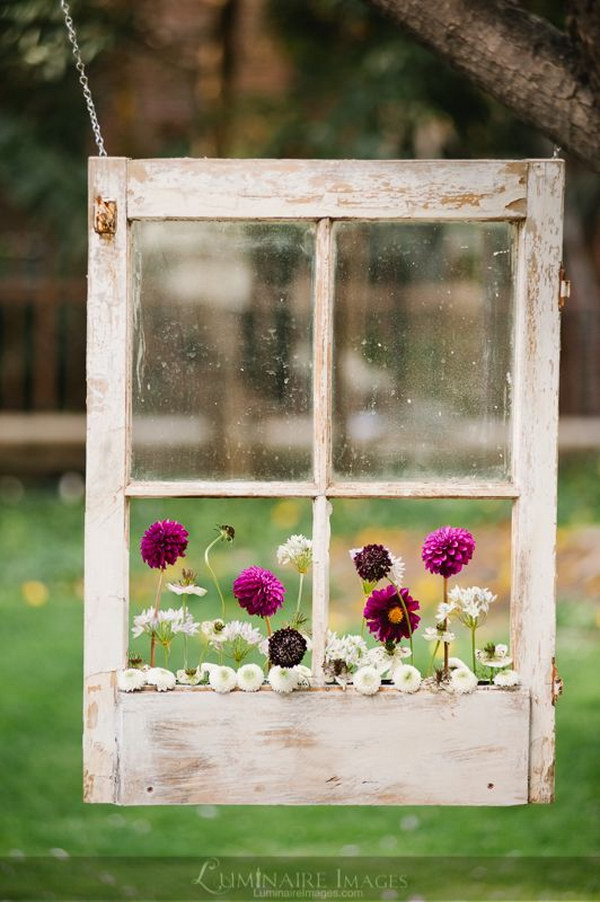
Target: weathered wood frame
516 756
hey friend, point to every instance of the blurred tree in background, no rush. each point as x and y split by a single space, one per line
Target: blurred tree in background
303 78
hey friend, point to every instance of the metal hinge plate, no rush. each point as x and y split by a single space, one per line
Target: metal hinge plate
564 289
105 217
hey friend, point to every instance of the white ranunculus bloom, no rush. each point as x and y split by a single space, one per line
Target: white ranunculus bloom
367 680
222 679
161 678
250 677
507 679
283 679
131 679
462 680
407 678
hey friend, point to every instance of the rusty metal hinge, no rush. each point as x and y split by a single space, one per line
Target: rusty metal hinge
557 682
105 217
564 289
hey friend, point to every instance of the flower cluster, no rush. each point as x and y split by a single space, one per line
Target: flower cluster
297 551
259 591
447 550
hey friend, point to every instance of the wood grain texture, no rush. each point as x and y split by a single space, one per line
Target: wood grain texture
366 489
324 747
106 521
535 437
313 189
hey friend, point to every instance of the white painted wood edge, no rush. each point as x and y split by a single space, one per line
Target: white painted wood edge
338 189
260 489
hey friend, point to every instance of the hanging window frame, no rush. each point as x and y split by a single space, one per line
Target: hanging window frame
191 747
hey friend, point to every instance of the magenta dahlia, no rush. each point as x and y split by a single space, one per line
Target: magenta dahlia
386 617
259 591
163 543
447 550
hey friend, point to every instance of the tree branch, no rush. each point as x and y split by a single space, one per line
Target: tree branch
518 58
583 23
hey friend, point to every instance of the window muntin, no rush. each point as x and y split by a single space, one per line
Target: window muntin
222 359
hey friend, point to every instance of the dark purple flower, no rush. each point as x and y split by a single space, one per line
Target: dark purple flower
385 615
163 543
372 562
259 591
287 647
447 550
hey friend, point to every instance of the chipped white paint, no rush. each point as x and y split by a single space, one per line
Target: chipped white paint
313 189
535 413
195 746
367 489
106 521
325 747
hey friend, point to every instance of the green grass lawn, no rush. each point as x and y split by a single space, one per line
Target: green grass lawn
40 749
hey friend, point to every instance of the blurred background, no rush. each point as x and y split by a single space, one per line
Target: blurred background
254 78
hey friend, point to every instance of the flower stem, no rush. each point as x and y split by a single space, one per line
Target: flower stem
298 603
269 630
156 607
185 649
473 650
213 574
435 651
407 618
446 644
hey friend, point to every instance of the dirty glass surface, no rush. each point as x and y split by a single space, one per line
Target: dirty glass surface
221 350
423 350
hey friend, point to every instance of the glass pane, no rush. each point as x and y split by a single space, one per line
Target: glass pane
279 518
222 350
401 525
423 350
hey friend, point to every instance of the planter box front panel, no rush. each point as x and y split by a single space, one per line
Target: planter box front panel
323 747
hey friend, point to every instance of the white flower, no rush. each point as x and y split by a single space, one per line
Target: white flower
453 663
433 634
250 677
283 679
349 649
164 624
239 629
296 551
367 680
462 680
507 678
213 630
222 679
397 571
178 589
161 678
304 676
472 604
131 679
444 609
380 658
494 655
407 678
189 679
353 552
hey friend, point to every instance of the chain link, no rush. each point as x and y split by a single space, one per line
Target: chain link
83 81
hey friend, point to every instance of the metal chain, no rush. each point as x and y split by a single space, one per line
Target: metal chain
83 81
